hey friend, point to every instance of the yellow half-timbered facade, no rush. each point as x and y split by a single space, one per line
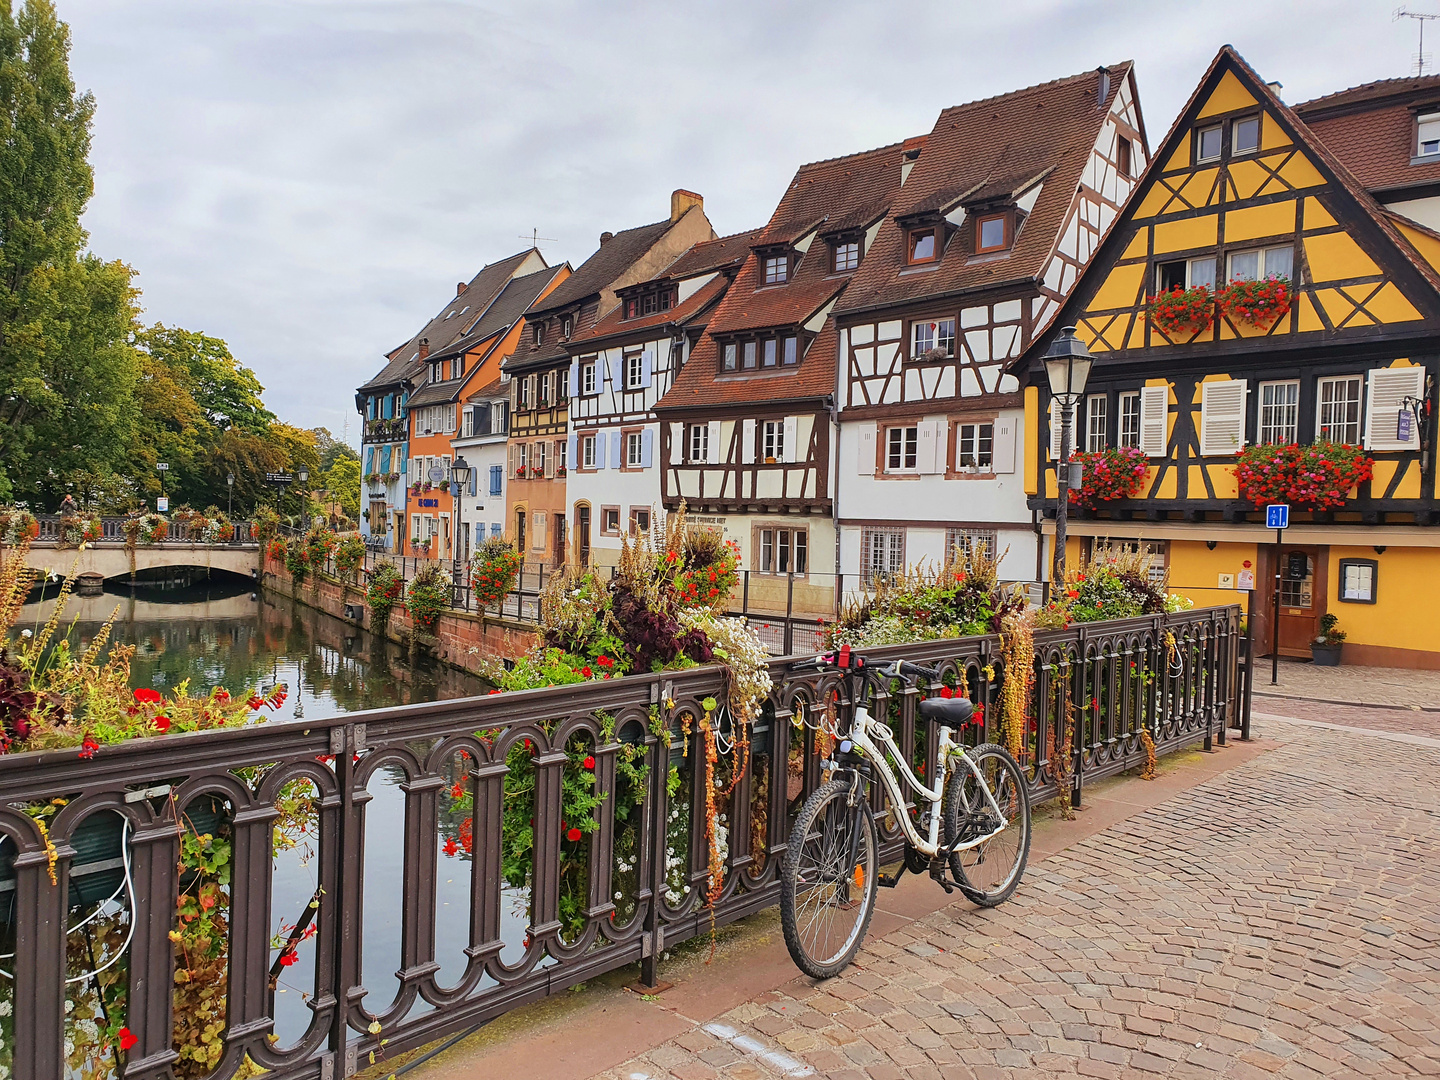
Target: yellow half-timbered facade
1242 189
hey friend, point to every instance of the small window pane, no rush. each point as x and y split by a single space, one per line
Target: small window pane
790 354
776 269
1208 144
1202 272
1429 130
730 357
749 353
1245 136
1096 422
1279 262
770 355
847 257
1244 266
1130 419
1170 275
1279 412
992 233
922 245
1340 410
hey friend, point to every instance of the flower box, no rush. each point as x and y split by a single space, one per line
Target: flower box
1317 477
1255 303
1107 475
1181 311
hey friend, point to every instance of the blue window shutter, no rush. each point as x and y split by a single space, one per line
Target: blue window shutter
370 459
404 456
385 459
600 450
572 444
616 451
369 408
616 375
404 397
474 481
647 363
497 478
647 448
389 405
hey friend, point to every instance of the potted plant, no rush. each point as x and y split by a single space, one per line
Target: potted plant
1115 473
1325 649
1181 311
1255 303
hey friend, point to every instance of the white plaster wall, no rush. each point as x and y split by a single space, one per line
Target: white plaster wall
612 486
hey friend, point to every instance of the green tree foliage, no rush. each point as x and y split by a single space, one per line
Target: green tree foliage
342 481
331 449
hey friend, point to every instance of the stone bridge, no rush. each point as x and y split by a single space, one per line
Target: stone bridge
109 559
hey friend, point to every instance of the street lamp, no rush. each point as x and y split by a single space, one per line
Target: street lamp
459 479
230 498
1067 364
303 474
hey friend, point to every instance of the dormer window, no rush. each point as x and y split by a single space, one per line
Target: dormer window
566 327
992 233
637 307
537 334
1245 135
435 371
845 256
1428 135
1208 143
777 269
921 246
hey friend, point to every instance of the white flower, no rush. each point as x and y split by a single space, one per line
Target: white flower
619 896
6 1008
26 633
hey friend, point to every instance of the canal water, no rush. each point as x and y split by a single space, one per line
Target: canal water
213 632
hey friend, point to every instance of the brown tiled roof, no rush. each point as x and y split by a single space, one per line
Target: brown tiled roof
1372 91
709 256
1371 129
615 325
610 260
813 377
983 150
449 324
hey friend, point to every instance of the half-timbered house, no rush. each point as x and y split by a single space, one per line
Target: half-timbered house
1243 189
539 369
619 369
746 431
995 220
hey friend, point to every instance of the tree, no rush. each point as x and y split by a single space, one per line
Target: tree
342 481
227 393
331 448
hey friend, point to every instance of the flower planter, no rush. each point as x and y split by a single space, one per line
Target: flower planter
1182 311
1325 655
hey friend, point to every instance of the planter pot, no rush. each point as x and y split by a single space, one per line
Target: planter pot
1325 655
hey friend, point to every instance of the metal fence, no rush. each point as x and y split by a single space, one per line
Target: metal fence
112 530
1173 675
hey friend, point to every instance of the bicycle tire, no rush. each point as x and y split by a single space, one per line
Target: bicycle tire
962 796
816 876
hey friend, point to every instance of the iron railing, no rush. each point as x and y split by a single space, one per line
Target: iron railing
1173 675
112 527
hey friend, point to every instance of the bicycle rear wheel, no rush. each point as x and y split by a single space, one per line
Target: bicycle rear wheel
988 873
828 880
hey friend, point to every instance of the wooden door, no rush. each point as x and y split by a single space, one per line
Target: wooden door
582 526
560 540
1302 596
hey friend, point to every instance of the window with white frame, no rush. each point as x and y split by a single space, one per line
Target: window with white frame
1261 263
500 418
1185 274
730 353
587 377
882 552
634 370
699 442
562 454
975 446
782 550
1279 412
1097 419
1339 403
522 458
1427 131
587 451
777 269
634 450
930 335
902 449
544 398
467 427
774 440
540 458
1130 418
970 543
522 392
1156 567
1245 135
1208 143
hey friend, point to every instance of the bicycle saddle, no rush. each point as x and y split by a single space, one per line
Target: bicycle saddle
949 712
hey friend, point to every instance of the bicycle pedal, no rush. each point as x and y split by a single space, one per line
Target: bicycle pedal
889 881
937 873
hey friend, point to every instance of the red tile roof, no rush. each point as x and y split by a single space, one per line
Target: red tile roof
615 325
983 150
711 255
1371 129
699 386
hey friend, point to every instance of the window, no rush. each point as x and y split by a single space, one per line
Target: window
1097 419
522 392
1339 420
845 257
522 458
1427 135
632 308
587 452
1185 274
790 353
1245 135
783 551
467 428
902 449
540 459
769 355
497 479
777 269
1130 418
1298 592
1357 580
566 326
970 543
1124 161
1156 567
1279 410
922 245
639 520
975 446
537 334
1258 265
562 454
990 233
610 520
500 419
1207 144
587 377
774 441
882 552
748 353
699 442
634 370
634 452
562 386
544 396
932 339
729 354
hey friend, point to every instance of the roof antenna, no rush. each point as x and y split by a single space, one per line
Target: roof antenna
1420 17
535 239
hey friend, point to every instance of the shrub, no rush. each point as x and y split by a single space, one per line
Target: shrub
494 568
349 556
427 597
386 587
320 544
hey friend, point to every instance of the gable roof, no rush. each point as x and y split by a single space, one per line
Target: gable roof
610 260
451 321
615 325
1229 73
1371 128
709 256
995 148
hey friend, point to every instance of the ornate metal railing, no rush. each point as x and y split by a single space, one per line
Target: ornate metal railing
644 877
112 528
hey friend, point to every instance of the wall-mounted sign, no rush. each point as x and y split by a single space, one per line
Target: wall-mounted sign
162 505
430 502
1227 581
1297 566
1404 426
1247 580
1277 516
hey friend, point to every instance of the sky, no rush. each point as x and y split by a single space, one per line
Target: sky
308 179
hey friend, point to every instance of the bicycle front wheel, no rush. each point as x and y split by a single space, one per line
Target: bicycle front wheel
989 872
828 880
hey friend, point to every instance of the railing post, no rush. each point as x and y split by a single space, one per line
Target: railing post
657 810
347 944
745 593
39 965
787 645
1249 665
1077 738
153 860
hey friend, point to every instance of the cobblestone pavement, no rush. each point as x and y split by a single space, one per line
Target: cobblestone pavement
1281 919
1362 685
1399 721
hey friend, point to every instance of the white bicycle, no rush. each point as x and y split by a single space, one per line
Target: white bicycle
973 834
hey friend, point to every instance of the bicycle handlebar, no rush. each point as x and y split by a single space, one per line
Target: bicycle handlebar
846 660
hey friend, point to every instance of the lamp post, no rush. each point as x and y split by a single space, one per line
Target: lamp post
303 475
459 479
1067 365
230 497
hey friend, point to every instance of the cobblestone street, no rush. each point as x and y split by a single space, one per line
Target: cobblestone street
1280 919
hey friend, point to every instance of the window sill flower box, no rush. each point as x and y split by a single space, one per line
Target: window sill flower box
1182 311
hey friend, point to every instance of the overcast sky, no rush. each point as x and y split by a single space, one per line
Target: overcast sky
308 179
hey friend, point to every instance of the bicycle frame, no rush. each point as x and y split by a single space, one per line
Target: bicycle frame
872 738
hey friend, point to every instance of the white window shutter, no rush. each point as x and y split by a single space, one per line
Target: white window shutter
713 450
1222 418
928 452
617 450
677 443
747 442
647 365
1386 391
865 462
549 462
1056 420
572 445
510 459
1003 450
647 448
792 452
1154 419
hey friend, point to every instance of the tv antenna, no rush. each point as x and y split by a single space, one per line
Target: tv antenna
1420 17
535 238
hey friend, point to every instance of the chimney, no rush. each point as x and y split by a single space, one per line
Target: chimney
1103 90
424 347
606 237
682 200
459 287
1275 88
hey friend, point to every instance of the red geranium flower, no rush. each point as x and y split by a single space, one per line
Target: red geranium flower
586 671
573 835
604 661
451 848
88 748
289 958
148 696
163 723
127 1039
946 692
589 762
1074 594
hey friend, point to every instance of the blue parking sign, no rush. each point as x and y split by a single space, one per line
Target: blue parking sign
1277 516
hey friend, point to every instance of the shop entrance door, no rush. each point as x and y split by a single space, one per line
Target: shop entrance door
1302 596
